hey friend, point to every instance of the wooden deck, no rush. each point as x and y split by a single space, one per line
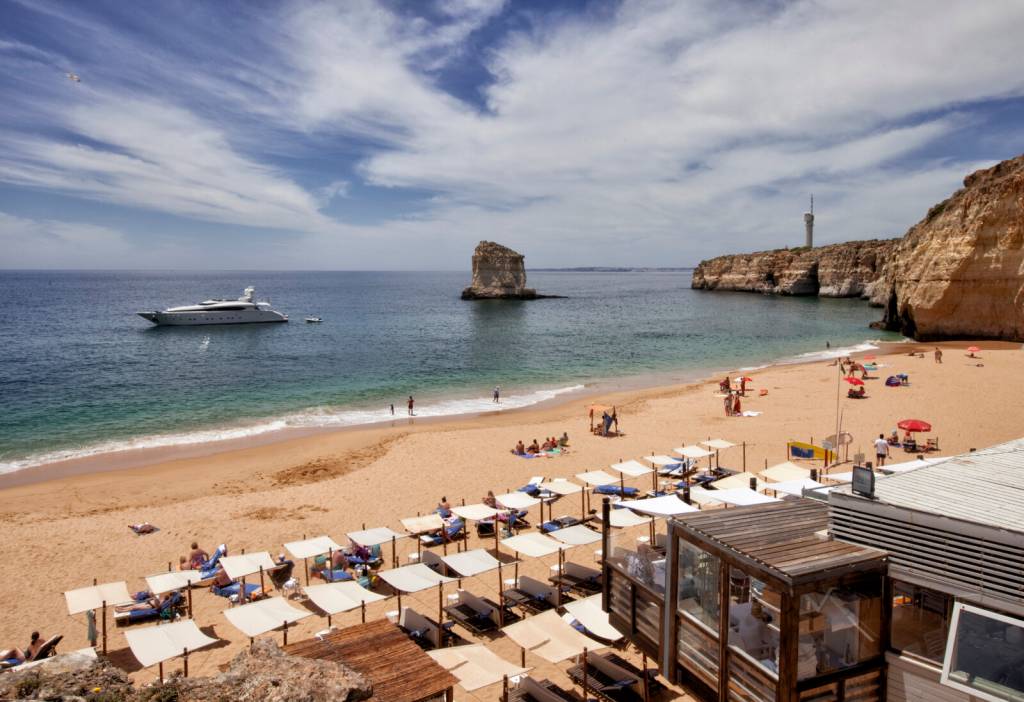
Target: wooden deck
398 669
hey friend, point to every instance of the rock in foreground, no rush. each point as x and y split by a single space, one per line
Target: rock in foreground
498 274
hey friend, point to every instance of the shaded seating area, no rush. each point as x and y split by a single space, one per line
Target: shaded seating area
530 690
608 679
155 644
475 666
479 614
167 607
578 578
424 631
532 596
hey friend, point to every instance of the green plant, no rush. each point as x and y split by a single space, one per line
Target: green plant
28 686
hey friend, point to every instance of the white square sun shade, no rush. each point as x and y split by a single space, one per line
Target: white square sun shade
561 486
588 612
475 666
796 487
663 460
333 598
374 537
246 564
664 506
693 452
577 535
517 500
174 580
421 525
156 644
737 481
475 513
785 471
470 563
740 497
549 637
413 578
309 548
263 616
623 518
718 444
597 477
532 545
632 468
85 598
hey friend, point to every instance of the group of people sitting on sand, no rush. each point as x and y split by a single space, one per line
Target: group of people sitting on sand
551 443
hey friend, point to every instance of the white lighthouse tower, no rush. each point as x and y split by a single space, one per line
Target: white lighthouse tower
809 225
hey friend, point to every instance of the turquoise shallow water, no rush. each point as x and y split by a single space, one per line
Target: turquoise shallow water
81 374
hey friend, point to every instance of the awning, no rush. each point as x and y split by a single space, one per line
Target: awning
374 537
664 506
246 564
622 518
718 444
470 563
173 580
476 512
333 598
309 548
597 477
736 481
85 598
422 525
693 452
577 535
263 615
412 578
740 497
561 486
475 666
517 500
846 477
156 644
796 487
703 497
549 637
663 460
785 471
588 612
532 545
632 468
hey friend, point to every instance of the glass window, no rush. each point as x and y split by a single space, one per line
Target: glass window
754 614
920 620
698 584
986 655
840 626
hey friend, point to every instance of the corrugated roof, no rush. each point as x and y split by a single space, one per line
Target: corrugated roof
984 487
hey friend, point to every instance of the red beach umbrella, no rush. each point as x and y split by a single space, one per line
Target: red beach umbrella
854 381
869 358
973 349
914 425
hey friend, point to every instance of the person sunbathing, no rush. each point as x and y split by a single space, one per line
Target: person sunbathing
339 561
491 501
358 551
534 447
548 444
197 557
12 656
152 602
564 441
443 508
144 528
520 449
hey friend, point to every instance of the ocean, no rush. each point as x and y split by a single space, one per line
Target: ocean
81 374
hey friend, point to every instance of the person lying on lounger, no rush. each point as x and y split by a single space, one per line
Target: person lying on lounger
491 501
153 602
12 656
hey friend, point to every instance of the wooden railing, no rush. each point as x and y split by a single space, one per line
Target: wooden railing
635 609
697 649
862 683
748 681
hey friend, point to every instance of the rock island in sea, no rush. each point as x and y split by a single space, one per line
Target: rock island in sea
499 274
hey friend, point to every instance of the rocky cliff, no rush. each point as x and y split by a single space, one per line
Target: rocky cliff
852 269
498 273
959 272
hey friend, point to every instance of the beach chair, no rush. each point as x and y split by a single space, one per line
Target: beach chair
576 578
231 591
616 490
532 596
173 606
473 613
456 530
423 630
531 690
47 650
607 679
434 562
559 523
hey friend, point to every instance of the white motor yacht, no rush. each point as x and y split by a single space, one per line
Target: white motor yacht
244 310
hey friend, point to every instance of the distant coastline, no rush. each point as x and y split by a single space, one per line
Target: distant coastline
611 269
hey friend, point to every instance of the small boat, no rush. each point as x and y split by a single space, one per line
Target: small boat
313 320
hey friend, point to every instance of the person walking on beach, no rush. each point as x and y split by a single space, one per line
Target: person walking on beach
615 420
938 355
881 449
411 403
392 409
497 393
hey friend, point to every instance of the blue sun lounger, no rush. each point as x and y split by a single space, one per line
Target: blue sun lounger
616 490
233 588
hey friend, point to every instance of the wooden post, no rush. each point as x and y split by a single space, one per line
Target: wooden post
328 621
440 612
161 672
558 589
583 504
584 681
723 631
362 610
522 657
497 526
517 569
184 658
647 682
104 627
504 688
189 590
263 586
606 510
169 567
305 566
399 602
744 456
241 591
394 552
789 615
285 632
501 598
753 484
654 480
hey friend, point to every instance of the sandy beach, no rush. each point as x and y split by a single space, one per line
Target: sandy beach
61 534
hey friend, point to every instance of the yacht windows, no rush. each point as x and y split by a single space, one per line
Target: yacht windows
985 654
920 620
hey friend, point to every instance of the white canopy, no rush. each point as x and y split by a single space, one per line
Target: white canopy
664 506
246 564
597 477
740 497
795 487
702 496
469 563
623 518
340 597
532 544
663 460
263 615
413 578
548 636
588 612
718 444
312 547
475 512
693 452
422 525
561 486
85 598
156 644
838 477
785 471
736 481
374 537
173 580
577 535
517 500
632 468
475 666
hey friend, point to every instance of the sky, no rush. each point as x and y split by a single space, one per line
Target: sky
393 135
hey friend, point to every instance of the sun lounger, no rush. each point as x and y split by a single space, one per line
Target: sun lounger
423 630
168 611
531 690
479 614
616 490
559 523
577 578
455 530
233 589
45 651
606 679
531 595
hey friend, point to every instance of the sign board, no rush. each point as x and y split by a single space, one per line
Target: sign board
863 481
843 438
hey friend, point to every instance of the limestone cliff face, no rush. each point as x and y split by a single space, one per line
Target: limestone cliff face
852 269
498 273
959 272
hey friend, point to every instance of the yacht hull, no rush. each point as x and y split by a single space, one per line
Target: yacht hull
195 318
